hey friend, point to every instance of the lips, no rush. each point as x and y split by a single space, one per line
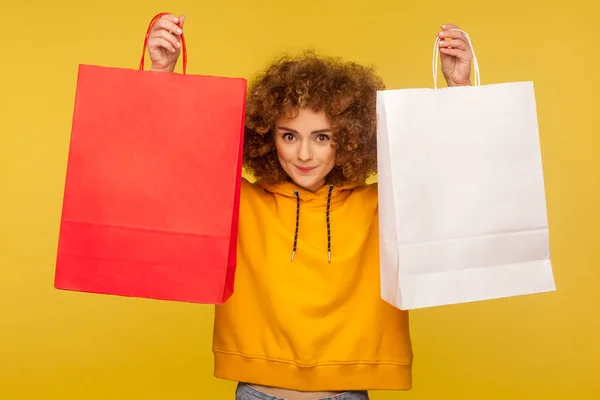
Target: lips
305 169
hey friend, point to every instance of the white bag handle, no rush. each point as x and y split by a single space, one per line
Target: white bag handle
436 56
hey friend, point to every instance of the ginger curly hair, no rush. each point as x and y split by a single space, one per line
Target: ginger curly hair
345 91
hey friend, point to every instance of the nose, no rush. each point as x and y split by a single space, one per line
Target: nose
305 151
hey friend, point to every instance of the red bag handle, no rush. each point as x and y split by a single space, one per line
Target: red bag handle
183 47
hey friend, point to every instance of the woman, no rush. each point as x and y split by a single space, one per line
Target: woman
306 320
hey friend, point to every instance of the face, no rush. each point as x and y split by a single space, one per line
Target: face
304 147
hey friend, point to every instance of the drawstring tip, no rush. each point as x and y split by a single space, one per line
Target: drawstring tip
293 255
329 257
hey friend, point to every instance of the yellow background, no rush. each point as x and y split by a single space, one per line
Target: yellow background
60 345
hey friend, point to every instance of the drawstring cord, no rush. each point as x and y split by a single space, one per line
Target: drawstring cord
297 194
328 224
327 212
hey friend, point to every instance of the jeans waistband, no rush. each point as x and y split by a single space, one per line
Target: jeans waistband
247 392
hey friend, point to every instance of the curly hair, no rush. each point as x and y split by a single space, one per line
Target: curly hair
345 91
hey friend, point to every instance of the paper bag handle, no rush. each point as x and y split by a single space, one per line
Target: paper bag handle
183 47
436 56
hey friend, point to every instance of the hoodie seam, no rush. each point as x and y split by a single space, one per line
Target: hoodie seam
307 365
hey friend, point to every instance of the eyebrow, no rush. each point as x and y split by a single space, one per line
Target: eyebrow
313 132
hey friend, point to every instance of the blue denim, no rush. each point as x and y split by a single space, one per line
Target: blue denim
247 392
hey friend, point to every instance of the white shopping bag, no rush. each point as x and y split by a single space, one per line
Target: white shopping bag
462 203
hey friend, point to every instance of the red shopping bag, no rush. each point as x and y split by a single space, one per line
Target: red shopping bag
151 197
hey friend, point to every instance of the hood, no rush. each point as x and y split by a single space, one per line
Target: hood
288 189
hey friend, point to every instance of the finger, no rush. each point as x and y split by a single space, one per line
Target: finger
160 42
460 54
452 35
454 39
446 27
454 43
157 24
171 18
172 39
168 26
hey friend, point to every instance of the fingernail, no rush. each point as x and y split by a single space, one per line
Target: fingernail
179 31
177 44
441 33
175 19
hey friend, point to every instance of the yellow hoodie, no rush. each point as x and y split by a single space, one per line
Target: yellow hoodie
308 324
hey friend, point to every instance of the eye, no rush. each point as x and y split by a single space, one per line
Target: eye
322 138
288 137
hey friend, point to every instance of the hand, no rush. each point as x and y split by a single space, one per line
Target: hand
456 56
164 43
